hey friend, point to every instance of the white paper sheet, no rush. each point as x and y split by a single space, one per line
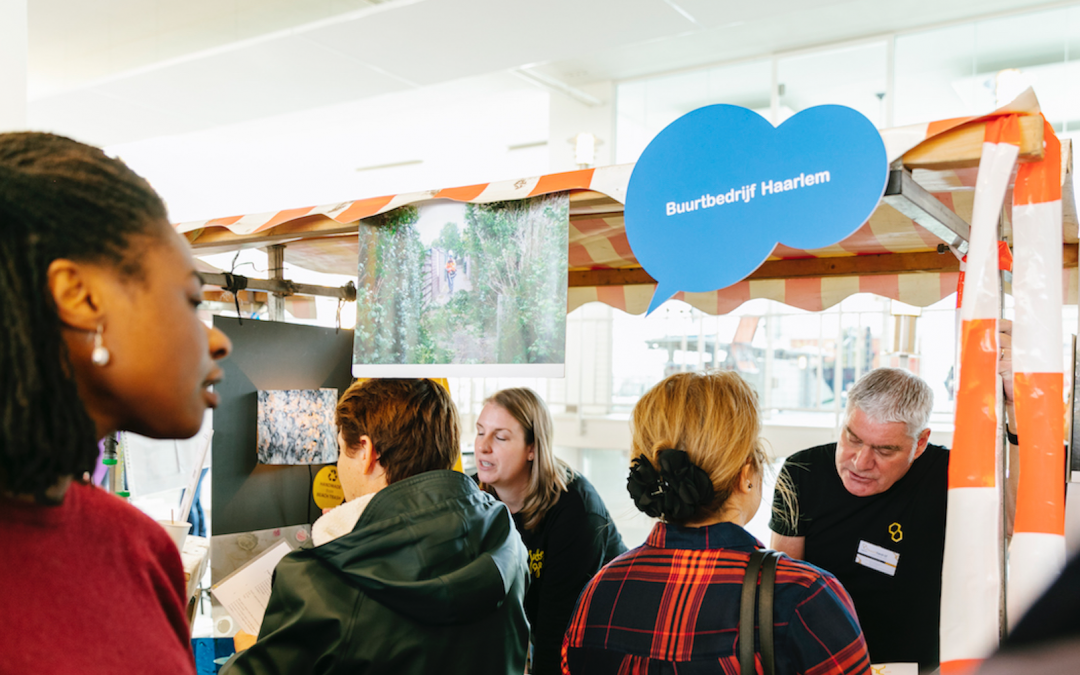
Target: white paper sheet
246 592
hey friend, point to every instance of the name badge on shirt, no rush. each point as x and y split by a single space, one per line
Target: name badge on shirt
877 558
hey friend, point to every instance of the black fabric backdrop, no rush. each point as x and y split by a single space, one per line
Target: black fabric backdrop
268 355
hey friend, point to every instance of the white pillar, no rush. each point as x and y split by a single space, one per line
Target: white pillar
13 64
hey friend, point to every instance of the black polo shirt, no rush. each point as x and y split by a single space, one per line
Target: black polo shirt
886 549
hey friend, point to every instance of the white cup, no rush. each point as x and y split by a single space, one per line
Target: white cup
178 531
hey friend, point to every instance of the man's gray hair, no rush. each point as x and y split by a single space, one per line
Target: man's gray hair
892 395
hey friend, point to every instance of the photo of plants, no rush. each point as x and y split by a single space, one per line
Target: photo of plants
450 284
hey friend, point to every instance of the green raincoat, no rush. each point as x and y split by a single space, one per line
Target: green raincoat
431 580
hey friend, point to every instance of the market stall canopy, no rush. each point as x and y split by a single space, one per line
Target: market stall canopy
898 253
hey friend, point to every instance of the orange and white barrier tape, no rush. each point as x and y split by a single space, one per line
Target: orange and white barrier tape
1037 551
971 574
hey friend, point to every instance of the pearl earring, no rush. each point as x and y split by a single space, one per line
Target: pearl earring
100 355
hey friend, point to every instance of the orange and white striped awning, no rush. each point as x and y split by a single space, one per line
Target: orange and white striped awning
890 255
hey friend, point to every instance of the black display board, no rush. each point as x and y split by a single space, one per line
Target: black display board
268 355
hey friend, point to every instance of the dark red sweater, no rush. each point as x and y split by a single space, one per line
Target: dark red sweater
91 586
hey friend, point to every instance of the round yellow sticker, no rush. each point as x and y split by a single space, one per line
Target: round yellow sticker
327 488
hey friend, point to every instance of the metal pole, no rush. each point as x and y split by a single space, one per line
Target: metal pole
581 375
284 286
275 262
767 407
838 366
701 343
820 362
1003 466
684 347
860 347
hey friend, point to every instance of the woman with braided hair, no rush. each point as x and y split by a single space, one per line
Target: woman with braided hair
99 300
672 604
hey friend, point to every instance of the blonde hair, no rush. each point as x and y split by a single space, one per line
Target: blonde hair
548 475
713 418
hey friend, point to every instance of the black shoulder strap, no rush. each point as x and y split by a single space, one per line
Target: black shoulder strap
765 612
746 614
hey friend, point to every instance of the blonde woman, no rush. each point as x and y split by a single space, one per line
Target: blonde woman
672 604
558 513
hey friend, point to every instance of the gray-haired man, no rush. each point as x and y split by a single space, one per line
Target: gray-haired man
871 510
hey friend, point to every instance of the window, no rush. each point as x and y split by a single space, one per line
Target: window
645 107
853 76
973 68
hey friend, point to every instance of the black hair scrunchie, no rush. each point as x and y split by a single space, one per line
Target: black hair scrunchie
645 487
675 492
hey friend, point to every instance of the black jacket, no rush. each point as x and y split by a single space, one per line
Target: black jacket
431 580
568 547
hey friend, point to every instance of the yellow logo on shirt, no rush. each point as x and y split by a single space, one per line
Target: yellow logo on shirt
536 563
896 532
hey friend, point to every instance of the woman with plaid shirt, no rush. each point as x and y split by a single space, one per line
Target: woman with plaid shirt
672 604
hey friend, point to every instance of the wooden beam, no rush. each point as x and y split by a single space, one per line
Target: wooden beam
860 265
1069 219
215 295
848 266
284 287
619 277
961 147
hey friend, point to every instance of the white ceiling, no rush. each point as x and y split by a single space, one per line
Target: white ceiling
117 71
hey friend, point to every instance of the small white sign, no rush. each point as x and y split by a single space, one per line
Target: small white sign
877 558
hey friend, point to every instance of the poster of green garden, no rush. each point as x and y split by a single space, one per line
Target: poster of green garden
447 289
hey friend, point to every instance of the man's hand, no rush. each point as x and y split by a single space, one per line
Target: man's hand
795 547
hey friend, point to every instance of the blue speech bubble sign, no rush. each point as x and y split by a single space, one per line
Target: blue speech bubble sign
719 187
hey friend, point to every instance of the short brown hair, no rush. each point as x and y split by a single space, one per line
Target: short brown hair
713 418
413 424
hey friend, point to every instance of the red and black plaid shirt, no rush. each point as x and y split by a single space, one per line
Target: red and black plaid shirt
672 606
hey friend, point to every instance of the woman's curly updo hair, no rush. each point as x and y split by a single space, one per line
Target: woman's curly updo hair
692 435
58 199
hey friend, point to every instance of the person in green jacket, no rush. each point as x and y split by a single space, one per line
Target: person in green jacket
419 571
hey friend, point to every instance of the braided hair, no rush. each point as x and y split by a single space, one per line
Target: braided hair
58 199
